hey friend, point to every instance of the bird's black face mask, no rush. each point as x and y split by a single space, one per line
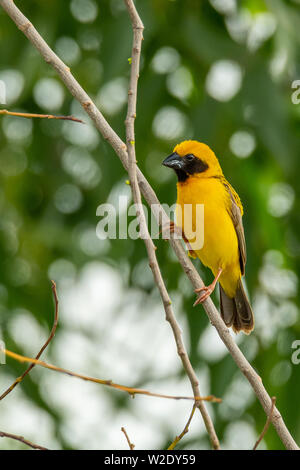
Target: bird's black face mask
185 166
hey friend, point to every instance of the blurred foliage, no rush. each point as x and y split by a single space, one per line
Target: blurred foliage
217 71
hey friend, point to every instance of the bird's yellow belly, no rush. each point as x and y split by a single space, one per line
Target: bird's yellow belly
220 243
217 234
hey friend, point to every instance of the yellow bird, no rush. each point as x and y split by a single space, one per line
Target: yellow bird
201 181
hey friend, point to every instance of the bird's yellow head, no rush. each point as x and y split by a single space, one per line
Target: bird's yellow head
193 158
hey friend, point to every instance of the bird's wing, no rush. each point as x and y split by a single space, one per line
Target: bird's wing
236 212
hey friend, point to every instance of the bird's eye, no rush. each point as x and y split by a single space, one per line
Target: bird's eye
189 158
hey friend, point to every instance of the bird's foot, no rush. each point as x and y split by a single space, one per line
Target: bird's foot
171 227
208 290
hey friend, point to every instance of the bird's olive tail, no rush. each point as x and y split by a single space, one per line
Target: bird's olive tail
236 311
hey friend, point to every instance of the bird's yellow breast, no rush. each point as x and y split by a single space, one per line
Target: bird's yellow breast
220 243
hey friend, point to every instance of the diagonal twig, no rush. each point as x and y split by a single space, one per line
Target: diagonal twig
41 116
184 432
266 426
109 383
131 446
138 27
22 439
52 333
121 150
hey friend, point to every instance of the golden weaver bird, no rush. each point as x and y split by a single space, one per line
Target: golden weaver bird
201 181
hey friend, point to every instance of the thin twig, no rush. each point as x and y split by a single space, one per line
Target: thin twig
131 446
138 27
121 150
184 432
132 391
21 439
52 333
266 426
41 116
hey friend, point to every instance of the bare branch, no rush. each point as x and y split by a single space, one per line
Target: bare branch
266 426
21 439
184 432
138 27
121 150
131 446
132 391
41 116
52 333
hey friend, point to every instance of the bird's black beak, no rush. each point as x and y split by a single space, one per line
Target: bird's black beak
174 161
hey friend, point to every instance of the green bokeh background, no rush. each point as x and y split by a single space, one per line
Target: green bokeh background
37 228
